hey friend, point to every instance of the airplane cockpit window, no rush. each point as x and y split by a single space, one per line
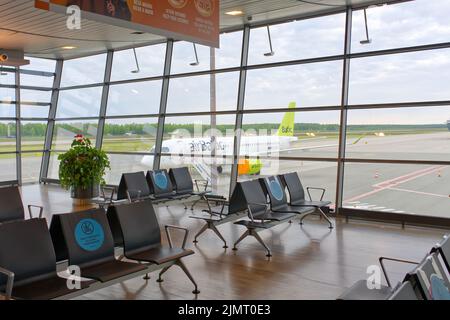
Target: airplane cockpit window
165 150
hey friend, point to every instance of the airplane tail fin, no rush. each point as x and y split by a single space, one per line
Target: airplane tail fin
287 125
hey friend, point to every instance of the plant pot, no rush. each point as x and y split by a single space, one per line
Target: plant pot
88 193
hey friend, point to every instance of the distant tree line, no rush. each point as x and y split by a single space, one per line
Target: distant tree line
39 129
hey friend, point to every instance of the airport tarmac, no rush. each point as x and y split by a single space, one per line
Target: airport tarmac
396 188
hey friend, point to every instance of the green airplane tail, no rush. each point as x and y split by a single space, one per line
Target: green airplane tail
287 125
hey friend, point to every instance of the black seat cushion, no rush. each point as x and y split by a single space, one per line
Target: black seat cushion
160 255
12 206
110 270
46 289
360 291
295 209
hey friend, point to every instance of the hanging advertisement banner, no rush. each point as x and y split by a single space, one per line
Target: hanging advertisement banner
190 20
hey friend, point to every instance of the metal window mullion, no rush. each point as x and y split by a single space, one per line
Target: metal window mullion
18 129
240 108
104 102
51 120
163 105
344 104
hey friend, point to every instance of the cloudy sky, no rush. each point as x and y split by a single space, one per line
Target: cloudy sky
407 77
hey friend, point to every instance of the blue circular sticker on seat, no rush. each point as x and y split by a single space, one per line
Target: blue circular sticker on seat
276 190
161 180
89 235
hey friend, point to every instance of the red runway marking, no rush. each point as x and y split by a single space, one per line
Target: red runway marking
396 181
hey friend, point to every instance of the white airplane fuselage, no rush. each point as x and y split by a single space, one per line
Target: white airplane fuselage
251 147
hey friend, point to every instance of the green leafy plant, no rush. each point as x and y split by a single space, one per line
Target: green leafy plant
83 165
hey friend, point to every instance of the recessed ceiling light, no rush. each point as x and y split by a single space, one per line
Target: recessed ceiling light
235 13
69 47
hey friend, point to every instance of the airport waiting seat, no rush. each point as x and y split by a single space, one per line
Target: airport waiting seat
297 196
254 202
405 292
161 187
133 186
184 185
12 206
141 237
429 279
443 248
89 244
274 189
28 262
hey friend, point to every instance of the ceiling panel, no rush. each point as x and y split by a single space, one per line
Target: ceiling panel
43 34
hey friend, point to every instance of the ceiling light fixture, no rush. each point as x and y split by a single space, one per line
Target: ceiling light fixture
68 47
137 62
367 40
271 53
235 13
197 62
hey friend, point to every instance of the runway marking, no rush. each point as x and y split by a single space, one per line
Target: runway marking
389 184
421 193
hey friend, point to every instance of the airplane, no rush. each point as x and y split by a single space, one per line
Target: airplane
197 151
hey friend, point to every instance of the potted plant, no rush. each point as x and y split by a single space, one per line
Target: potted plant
82 169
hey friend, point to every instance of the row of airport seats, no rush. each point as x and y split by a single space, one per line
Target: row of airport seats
12 208
265 203
31 254
160 186
428 280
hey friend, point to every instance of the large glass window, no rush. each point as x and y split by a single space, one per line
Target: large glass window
309 85
400 133
213 92
130 135
397 188
79 103
35 96
43 65
7 94
228 56
135 98
150 63
407 77
65 131
406 24
296 40
33 135
84 71
7 110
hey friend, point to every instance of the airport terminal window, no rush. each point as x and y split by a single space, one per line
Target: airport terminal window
150 60
31 167
7 110
130 135
44 65
32 111
7 149
79 103
228 56
53 167
82 71
33 135
35 96
195 94
65 131
399 134
7 78
309 85
296 40
407 77
135 98
412 23
397 188
294 134
121 163
311 173
7 94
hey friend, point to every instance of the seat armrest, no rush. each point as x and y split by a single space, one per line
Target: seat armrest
41 210
265 205
383 268
138 195
9 283
169 238
196 181
113 191
314 188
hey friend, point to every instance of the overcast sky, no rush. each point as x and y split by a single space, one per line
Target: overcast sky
418 76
